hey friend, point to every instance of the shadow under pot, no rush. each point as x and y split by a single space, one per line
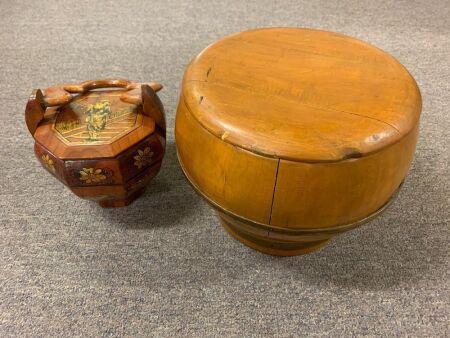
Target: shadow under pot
104 139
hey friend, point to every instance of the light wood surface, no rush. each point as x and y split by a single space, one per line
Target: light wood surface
327 194
295 129
302 95
230 176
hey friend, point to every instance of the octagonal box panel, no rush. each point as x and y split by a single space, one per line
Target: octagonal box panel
114 171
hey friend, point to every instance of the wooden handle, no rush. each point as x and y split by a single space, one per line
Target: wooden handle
153 107
34 112
96 84
59 95
63 94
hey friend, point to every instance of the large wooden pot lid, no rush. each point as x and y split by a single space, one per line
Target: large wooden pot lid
301 94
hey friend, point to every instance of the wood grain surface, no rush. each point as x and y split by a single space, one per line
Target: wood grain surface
301 94
296 128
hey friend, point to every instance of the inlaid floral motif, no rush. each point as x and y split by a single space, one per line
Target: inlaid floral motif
91 175
143 157
48 162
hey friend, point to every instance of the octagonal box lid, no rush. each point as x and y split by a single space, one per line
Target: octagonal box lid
82 122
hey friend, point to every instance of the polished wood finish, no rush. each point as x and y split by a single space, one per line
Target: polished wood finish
35 110
105 145
296 129
226 174
339 192
301 95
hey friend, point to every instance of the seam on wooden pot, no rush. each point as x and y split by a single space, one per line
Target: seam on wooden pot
274 190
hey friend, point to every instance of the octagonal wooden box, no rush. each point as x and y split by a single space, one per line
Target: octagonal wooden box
104 139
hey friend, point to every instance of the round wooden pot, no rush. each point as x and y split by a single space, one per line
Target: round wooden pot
104 139
295 135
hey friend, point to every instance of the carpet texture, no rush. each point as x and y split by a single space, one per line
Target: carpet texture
164 266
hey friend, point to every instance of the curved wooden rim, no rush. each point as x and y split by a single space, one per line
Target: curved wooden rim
264 153
291 231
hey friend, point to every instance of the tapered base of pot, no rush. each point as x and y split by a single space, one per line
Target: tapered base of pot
262 242
122 202
272 248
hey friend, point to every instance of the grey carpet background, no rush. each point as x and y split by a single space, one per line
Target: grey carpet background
164 266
